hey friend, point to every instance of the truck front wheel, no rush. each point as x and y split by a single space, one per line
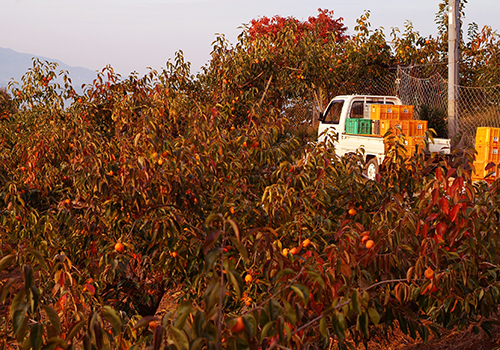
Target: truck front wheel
371 168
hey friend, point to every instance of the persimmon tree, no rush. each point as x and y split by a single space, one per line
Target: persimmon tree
208 190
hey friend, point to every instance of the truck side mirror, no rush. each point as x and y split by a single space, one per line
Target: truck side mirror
321 117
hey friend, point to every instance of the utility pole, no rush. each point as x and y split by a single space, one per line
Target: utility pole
453 58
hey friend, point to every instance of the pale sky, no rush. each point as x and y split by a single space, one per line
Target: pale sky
132 35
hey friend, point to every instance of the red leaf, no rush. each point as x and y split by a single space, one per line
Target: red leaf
443 204
90 288
439 175
431 217
441 229
210 240
489 166
319 173
454 212
437 238
435 195
453 189
450 173
424 230
214 166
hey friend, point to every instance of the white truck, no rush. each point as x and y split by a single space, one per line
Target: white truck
333 121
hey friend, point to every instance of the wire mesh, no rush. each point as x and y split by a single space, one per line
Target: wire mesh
477 106
426 88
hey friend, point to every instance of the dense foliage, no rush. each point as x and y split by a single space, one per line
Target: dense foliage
201 184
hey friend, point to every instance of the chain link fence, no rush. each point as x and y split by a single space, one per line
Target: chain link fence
423 86
426 88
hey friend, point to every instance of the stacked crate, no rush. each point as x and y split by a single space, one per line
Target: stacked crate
358 126
395 117
487 147
414 143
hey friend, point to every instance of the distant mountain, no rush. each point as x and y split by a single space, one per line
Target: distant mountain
14 65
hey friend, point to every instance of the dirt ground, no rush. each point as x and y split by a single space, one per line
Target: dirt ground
450 340
396 339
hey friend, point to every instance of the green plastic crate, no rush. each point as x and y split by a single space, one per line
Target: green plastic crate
358 126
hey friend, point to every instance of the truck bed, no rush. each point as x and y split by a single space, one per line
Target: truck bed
374 145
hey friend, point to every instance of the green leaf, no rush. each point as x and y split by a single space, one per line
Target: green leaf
26 345
211 258
182 314
235 229
212 294
406 248
74 330
53 318
356 302
274 309
237 343
210 333
283 272
267 327
198 344
316 277
411 328
157 338
179 338
374 315
302 291
200 321
20 322
362 323
113 318
96 331
16 302
36 334
241 248
145 321
53 342
424 333
39 257
35 296
323 327
6 260
87 344
338 322
250 325
6 288
487 328
28 277
290 312
236 280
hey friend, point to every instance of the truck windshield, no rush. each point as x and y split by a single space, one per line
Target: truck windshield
333 111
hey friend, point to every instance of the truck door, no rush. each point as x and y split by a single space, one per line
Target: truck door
330 119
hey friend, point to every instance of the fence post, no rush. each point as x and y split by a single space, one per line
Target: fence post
453 58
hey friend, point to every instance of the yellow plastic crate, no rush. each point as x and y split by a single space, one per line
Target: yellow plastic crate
384 112
386 125
414 141
480 172
408 127
487 136
418 127
488 153
405 112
